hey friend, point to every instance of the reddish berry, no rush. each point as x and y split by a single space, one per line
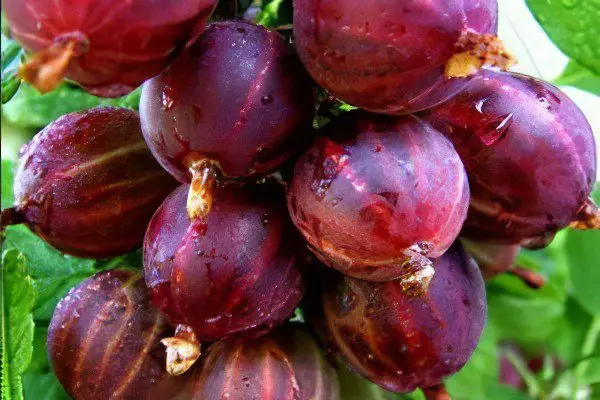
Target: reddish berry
88 185
379 195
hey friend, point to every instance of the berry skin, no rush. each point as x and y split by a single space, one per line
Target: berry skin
239 97
104 341
88 185
530 156
402 340
396 56
378 195
235 273
109 47
286 364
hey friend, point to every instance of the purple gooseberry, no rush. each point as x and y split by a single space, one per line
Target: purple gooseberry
104 341
379 195
396 56
107 46
88 185
286 364
530 157
237 103
234 273
401 339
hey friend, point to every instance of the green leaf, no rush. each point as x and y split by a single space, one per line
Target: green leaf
514 308
11 59
497 391
474 380
17 299
355 387
8 197
580 77
591 371
570 333
583 255
29 108
573 27
39 382
275 13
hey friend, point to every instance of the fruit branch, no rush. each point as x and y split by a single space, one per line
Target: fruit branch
11 216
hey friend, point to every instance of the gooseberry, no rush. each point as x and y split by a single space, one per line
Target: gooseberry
403 339
104 341
108 47
378 195
530 156
238 102
396 56
88 185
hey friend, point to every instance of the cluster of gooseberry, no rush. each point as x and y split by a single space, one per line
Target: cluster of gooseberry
379 195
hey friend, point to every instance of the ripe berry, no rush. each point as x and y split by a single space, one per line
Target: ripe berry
530 156
238 102
107 46
286 364
379 195
396 56
104 341
88 185
234 273
400 339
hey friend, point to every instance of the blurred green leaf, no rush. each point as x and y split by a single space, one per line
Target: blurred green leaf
8 197
524 315
39 382
570 333
355 387
480 373
580 77
11 59
497 391
573 27
591 371
29 108
275 13
16 299
582 253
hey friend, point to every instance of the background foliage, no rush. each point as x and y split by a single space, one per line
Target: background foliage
559 322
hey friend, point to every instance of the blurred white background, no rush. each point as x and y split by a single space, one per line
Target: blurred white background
539 57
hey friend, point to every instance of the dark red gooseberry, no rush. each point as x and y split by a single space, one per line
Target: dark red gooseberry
286 364
238 101
396 56
234 273
495 259
401 339
88 185
104 341
379 195
530 156
109 47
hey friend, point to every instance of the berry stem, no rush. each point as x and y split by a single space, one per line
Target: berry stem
588 217
11 216
183 349
438 392
475 50
47 69
531 278
204 178
419 273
